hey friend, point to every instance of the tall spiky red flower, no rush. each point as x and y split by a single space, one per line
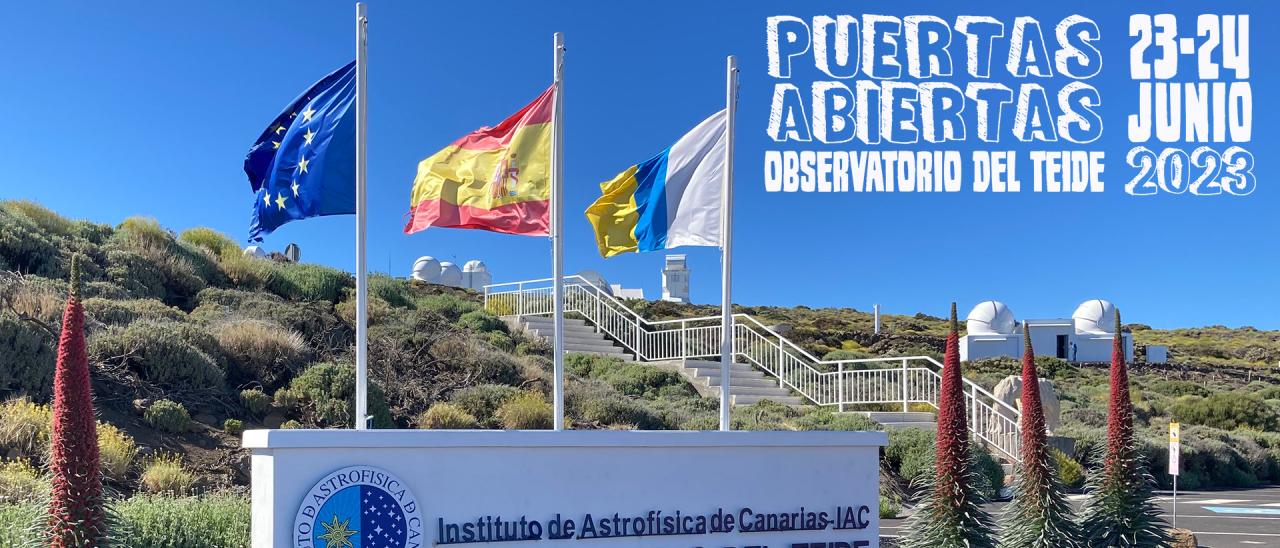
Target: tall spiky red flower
953 427
76 515
1039 515
950 513
1120 511
1119 405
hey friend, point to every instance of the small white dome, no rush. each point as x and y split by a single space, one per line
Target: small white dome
255 251
1095 316
426 269
475 266
450 275
991 318
594 278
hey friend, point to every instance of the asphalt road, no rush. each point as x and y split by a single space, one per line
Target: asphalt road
1220 519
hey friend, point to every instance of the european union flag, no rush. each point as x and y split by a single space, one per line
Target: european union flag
303 165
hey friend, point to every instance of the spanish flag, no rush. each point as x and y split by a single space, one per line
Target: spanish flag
495 178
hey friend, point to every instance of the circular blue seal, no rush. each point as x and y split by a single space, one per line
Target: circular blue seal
358 507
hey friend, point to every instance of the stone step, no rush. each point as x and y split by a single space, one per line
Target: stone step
715 374
901 425
571 337
884 417
569 330
784 400
620 354
602 347
548 321
739 380
703 366
757 391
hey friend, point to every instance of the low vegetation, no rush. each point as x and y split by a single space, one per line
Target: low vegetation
192 342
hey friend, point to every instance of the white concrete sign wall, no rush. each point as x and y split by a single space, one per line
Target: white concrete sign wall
583 489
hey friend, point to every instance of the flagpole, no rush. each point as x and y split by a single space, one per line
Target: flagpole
362 287
557 227
726 245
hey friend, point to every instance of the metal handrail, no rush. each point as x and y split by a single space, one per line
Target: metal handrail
630 329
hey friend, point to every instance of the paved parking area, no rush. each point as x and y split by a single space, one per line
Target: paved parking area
1221 519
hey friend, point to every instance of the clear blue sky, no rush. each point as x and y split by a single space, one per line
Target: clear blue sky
122 108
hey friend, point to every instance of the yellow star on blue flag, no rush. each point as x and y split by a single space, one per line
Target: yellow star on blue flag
303 164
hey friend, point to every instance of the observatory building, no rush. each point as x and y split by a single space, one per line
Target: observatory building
992 332
473 275
675 280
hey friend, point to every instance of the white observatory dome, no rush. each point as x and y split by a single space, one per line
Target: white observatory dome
450 275
426 269
255 251
991 318
475 266
594 278
1095 316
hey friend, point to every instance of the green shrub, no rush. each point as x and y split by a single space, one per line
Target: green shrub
501 341
324 394
449 306
255 401
188 522
526 411
24 428
910 453
596 402
216 242
482 401
122 312
43 217
165 474
315 320
1069 471
291 425
889 509
1226 410
310 282
26 248
989 470
825 419
19 523
233 427
26 363
1178 388
481 321
249 273
260 351
446 416
763 415
20 482
166 353
116 451
395 292
168 416
145 230
632 379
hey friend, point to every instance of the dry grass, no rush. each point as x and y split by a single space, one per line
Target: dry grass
116 451
24 428
261 349
21 482
164 474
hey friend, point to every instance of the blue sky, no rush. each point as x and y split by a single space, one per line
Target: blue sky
123 108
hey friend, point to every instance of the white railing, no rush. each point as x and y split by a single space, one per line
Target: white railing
842 383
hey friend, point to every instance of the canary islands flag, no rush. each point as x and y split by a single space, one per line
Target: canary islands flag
495 178
303 164
670 200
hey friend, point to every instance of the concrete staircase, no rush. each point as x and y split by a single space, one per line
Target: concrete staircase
578 336
746 384
896 419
